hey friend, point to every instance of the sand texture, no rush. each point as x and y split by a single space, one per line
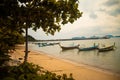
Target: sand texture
60 66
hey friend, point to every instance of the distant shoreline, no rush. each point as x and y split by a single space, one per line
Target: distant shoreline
31 39
72 39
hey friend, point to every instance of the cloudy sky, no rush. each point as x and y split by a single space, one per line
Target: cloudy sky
100 17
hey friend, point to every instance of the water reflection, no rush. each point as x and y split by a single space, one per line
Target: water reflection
106 60
105 53
69 51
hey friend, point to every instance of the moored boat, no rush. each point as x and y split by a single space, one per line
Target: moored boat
45 44
69 47
109 48
89 48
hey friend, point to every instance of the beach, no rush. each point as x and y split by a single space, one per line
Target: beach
60 66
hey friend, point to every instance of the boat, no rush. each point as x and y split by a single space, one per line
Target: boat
69 47
109 48
89 48
44 44
54 43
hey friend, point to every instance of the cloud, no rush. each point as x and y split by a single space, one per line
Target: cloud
102 10
93 15
111 7
112 2
115 12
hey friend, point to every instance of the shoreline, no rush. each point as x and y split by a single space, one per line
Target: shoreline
60 66
80 64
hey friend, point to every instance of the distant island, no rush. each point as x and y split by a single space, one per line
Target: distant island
92 37
31 38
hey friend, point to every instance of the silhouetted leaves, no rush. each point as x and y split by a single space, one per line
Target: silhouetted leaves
16 15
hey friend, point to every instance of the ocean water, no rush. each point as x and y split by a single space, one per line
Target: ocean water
109 61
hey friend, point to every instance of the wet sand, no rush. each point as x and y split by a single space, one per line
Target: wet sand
60 66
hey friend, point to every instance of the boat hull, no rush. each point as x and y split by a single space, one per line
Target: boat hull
109 48
88 48
106 49
69 47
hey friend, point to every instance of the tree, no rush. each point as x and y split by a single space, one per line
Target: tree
16 15
50 14
30 38
46 14
8 39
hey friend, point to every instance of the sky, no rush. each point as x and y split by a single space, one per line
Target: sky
100 17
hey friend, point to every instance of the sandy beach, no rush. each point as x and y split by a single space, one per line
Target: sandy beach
60 66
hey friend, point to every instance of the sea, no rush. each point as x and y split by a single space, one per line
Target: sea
108 61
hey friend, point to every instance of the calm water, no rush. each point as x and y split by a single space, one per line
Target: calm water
105 60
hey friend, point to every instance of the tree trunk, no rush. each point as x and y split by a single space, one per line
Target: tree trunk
26 44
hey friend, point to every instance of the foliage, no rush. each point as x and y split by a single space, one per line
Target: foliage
45 14
30 38
16 15
48 15
8 39
29 71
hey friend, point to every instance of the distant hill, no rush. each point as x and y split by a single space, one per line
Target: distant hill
109 36
117 36
92 37
30 38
